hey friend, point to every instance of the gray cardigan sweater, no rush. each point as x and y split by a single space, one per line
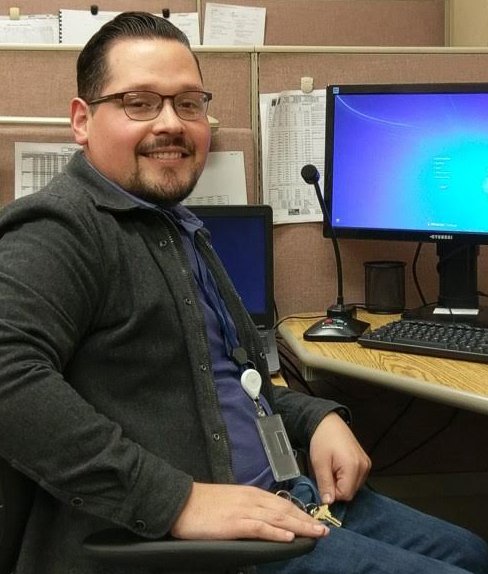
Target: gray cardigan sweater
106 392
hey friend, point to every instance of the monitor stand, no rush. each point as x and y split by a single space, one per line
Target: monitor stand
458 300
477 317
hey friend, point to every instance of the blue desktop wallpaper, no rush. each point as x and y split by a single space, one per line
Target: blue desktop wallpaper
240 243
411 162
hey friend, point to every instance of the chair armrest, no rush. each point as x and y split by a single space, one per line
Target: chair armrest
169 553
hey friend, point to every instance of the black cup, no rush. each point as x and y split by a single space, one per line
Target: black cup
384 286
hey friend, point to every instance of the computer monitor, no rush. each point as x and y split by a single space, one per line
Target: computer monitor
410 162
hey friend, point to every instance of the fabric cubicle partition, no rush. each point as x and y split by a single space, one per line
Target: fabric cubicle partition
43 132
24 132
300 250
41 81
47 84
351 22
52 6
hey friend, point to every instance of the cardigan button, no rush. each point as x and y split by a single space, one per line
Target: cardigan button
188 301
77 501
163 243
216 436
140 525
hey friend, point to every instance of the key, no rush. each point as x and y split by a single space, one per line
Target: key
322 512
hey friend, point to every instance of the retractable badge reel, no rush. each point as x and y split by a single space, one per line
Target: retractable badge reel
271 431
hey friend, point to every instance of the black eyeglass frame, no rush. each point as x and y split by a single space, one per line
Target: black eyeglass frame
121 96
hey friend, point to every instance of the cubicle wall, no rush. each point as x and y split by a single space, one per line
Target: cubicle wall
303 22
11 133
52 6
47 84
41 81
351 22
301 251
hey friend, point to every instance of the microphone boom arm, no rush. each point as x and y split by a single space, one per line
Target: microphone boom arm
341 323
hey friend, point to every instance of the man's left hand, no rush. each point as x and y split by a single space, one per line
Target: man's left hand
340 464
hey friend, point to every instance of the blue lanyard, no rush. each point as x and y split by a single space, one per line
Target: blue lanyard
207 283
209 288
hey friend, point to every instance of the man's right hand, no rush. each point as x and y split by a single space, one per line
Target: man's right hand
229 512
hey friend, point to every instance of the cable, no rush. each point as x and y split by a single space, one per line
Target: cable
414 273
392 424
289 368
301 317
420 445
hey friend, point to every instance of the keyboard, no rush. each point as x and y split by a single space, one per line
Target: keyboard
438 339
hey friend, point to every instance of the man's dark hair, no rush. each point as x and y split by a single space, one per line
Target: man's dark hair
92 71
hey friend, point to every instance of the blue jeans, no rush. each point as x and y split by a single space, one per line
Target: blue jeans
382 536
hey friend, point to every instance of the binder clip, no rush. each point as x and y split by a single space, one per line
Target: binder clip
166 12
14 13
94 9
306 85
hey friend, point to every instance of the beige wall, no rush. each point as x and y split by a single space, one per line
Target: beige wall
468 22
350 22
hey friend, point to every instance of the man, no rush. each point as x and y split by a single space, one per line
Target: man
123 347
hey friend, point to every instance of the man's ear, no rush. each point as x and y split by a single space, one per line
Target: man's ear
79 120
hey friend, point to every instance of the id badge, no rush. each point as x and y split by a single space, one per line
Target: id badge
277 446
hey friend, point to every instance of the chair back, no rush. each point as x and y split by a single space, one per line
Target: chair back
16 495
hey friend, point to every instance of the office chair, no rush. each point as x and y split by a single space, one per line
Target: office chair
16 495
123 547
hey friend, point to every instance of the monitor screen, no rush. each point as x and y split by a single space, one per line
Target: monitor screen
242 237
408 161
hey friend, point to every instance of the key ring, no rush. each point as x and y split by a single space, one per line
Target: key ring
296 501
318 511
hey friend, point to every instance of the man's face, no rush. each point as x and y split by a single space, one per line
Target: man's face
160 159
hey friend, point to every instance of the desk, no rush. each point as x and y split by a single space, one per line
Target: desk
457 383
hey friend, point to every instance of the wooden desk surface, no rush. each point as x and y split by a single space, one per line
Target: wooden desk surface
459 383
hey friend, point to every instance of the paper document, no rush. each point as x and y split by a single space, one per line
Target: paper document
223 181
188 23
292 135
78 26
228 25
41 29
37 163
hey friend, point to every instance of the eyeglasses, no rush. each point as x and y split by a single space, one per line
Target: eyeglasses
145 106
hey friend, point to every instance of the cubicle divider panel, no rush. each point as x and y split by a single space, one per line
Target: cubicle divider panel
11 133
351 22
301 252
306 271
236 139
40 82
225 139
53 6
282 69
227 73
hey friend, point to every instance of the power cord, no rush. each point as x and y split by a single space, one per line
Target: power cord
421 444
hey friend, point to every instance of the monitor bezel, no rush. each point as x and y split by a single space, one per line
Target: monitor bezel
265 213
368 233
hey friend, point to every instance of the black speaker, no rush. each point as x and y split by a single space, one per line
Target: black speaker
384 286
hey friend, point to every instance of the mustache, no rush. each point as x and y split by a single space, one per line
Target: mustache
166 141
